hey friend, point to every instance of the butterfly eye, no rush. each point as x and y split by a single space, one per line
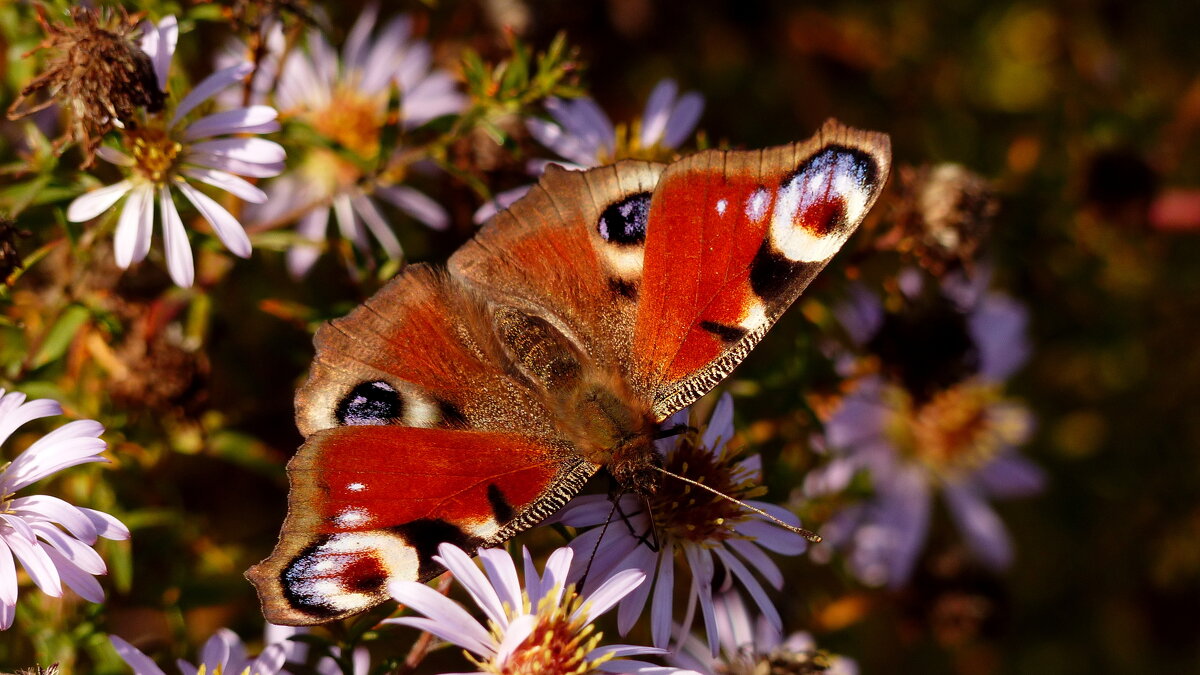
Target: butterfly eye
624 222
371 403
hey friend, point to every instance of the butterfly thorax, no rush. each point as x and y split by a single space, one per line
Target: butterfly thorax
595 408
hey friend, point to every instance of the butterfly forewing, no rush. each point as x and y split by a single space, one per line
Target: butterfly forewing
733 238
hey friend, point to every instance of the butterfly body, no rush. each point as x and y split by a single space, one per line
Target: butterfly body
468 404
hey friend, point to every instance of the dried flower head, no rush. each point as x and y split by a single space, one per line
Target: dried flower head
942 216
97 72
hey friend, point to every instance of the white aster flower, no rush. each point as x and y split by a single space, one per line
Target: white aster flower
752 646
706 537
223 654
345 99
49 537
584 136
163 154
544 629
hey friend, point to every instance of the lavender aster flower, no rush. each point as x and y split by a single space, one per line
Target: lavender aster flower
223 653
345 99
752 646
712 537
49 537
584 136
164 154
957 437
544 629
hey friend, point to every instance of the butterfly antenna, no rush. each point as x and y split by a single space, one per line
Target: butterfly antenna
603 530
807 534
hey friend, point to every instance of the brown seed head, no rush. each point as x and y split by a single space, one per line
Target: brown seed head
96 72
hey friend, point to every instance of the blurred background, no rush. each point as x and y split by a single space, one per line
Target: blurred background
1082 115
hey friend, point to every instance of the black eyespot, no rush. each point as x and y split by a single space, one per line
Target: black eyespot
371 403
624 222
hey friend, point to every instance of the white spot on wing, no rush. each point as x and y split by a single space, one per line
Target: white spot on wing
356 487
756 205
352 518
315 576
419 412
722 204
755 317
833 175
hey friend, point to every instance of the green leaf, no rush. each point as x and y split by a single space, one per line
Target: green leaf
60 335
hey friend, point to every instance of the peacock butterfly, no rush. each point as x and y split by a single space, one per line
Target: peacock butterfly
465 405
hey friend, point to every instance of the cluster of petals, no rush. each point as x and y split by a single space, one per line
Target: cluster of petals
751 645
51 539
513 613
213 150
742 552
583 136
312 81
884 534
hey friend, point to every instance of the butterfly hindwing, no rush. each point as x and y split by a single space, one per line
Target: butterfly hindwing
370 504
733 238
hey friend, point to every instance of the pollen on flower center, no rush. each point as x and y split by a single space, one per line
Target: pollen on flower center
352 121
959 428
559 643
154 152
628 145
690 513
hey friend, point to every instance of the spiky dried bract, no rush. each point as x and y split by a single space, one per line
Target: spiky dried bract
97 73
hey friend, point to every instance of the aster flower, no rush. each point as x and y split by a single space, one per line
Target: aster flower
164 154
224 653
544 629
345 99
708 537
752 646
49 537
584 137
921 429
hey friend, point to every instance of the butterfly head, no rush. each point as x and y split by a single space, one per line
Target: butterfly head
636 465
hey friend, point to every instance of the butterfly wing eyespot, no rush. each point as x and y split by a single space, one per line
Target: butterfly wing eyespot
370 504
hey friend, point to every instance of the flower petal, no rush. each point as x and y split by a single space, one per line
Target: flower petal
683 119
91 204
658 111
720 425
14 412
502 574
516 633
8 576
77 579
469 576
445 618
106 526
311 228
210 86
80 554
632 605
253 150
610 593
44 508
175 242
114 156
240 167
375 222
227 182
132 240
255 119
141 664
35 561
228 229
417 205
984 531
660 609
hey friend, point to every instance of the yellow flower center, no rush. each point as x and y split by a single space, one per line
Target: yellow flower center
154 152
629 146
558 644
958 429
691 513
352 120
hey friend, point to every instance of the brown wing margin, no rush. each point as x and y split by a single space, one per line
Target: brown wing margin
370 504
733 239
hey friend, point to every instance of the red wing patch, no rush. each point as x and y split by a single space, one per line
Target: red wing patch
733 238
370 504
